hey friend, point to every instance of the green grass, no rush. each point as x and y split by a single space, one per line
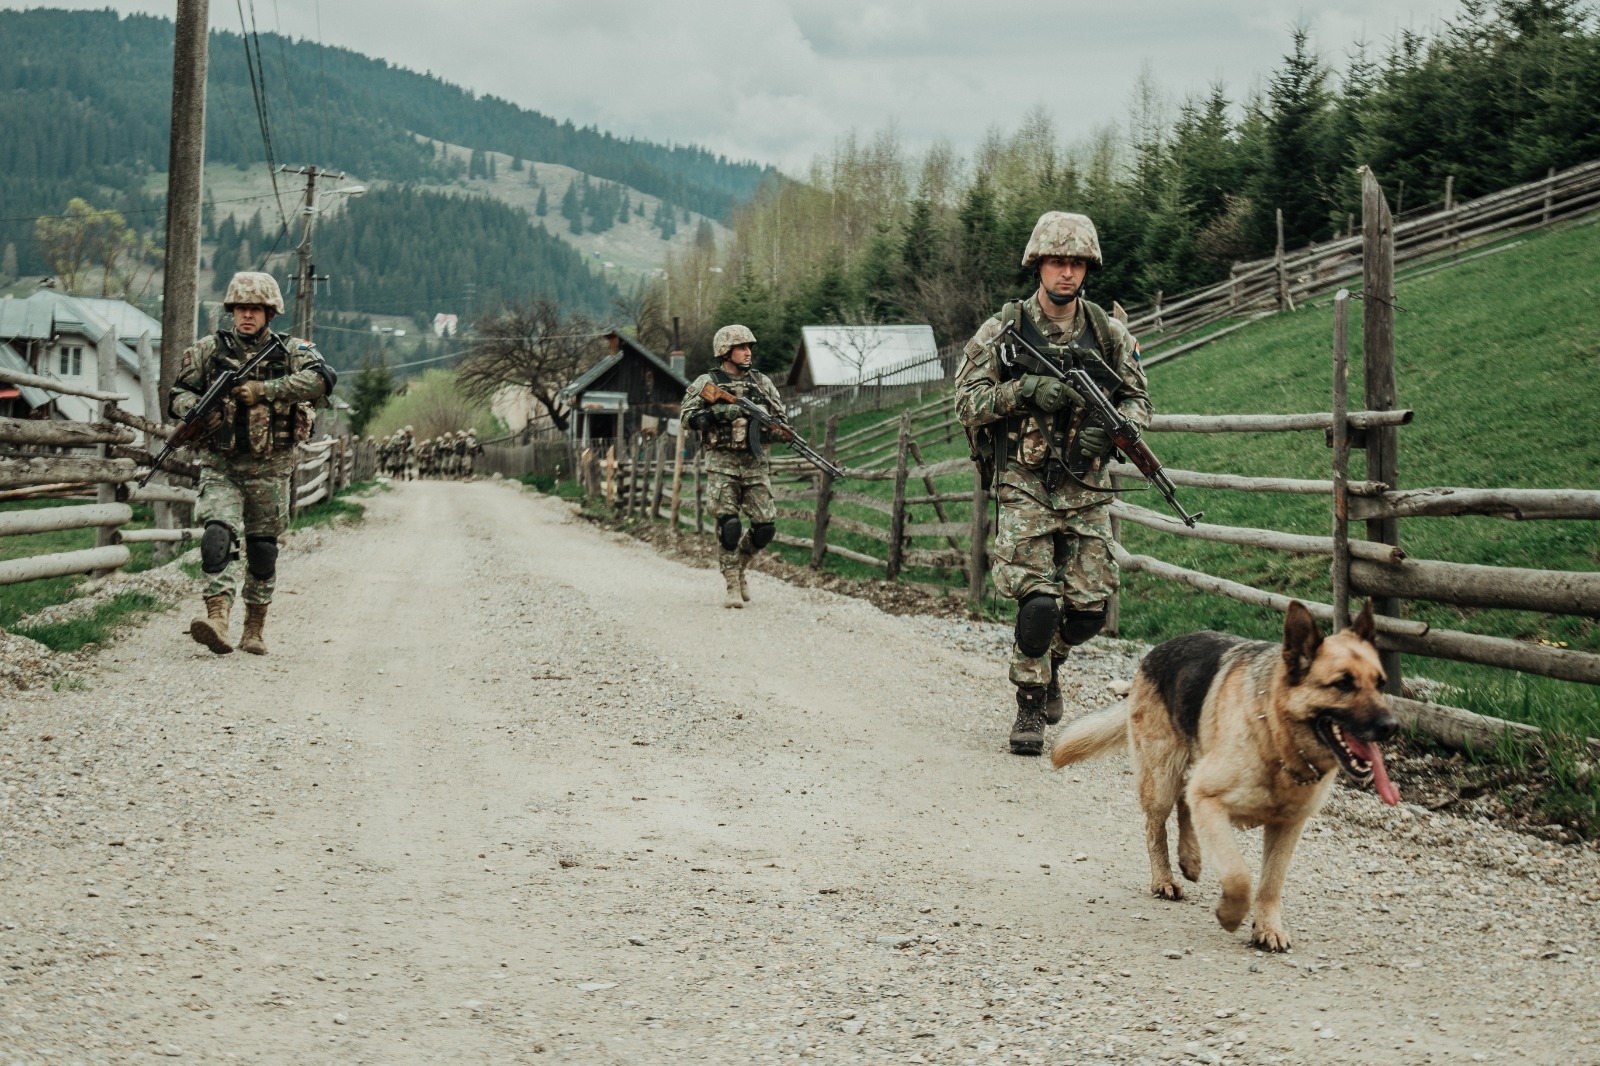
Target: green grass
339 509
19 601
95 627
1500 359
547 484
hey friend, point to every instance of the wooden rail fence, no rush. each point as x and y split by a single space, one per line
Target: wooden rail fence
122 442
895 531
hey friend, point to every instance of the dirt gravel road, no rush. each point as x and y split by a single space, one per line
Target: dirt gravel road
513 789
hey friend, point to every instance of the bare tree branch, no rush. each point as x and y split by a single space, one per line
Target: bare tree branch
534 347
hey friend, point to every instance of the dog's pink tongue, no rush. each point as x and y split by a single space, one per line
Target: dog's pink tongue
1368 752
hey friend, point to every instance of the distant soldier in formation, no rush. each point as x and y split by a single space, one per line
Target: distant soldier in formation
740 481
1029 433
473 450
247 453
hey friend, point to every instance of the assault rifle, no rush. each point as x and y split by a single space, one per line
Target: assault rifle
190 426
714 393
1015 350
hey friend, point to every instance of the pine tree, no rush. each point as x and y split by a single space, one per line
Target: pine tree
542 208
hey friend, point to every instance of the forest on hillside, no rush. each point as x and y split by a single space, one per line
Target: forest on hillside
85 98
1178 192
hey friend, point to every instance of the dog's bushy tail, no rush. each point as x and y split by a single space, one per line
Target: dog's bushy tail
1092 736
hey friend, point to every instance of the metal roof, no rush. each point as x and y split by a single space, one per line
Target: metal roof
48 313
12 361
852 355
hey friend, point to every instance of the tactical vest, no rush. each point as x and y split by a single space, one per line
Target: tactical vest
1036 440
734 436
268 428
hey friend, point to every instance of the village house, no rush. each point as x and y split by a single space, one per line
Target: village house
864 355
630 390
52 334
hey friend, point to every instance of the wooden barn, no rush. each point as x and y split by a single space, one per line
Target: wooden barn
630 390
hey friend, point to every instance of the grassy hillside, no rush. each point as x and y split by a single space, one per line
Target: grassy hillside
1500 358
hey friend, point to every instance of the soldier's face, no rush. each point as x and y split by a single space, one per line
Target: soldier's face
1062 275
249 319
739 355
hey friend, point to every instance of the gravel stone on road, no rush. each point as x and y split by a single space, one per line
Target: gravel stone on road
511 788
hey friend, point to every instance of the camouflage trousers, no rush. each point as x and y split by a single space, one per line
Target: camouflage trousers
1057 543
740 485
251 497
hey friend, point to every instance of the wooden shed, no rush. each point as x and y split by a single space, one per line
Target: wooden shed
630 390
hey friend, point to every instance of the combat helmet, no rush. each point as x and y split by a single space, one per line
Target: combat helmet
729 338
1063 234
253 287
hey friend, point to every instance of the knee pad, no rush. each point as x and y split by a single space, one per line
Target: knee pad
761 534
261 554
1078 626
1036 621
216 545
728 531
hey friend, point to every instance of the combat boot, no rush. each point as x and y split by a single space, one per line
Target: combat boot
255 616
212 630
1027 735
744 584
734 580
1053 706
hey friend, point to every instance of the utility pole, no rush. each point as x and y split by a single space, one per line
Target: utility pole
185 171
306 276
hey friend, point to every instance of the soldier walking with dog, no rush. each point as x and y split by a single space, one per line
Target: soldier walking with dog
1032 438
737 468
247 452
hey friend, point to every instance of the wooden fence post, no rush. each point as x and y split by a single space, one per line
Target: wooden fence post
661 469
611 473
1285 301
1114 602
819 531
699 496
1549 192
1158 310
106 381
1341 460
1377 341
979 562
897 516
678 443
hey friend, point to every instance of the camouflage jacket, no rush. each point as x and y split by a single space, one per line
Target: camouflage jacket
731 436
989 401
295 379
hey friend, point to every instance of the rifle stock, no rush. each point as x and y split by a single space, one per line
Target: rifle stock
188 430
711 392
1123 432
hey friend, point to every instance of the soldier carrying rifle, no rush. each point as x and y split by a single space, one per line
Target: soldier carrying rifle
1036 436
737 467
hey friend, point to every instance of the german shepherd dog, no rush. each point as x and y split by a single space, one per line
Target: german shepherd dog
1240 733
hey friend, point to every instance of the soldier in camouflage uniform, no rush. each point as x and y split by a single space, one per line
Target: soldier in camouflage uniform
740 482
470 455
1029 432
247 454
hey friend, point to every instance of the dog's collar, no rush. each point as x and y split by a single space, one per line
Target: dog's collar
1316 775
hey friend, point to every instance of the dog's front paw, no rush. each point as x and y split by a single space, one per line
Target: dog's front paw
1168 889
1232 908
1270 937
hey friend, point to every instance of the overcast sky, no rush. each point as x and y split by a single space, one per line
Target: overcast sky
779 80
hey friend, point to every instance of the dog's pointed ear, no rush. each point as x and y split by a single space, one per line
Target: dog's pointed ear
1363 626
1301 639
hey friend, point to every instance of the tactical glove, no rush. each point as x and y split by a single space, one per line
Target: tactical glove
1047 394
1093 441
250 393
726 412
